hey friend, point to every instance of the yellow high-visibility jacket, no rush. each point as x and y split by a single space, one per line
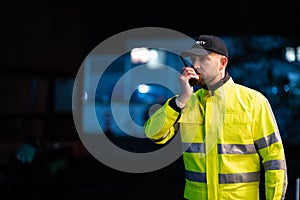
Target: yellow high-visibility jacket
226 134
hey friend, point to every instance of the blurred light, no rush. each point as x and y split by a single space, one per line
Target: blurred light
290 54
140 55
26 153
84 97
153 59
143 88
286 88
274 90
56 145
298 53
293 78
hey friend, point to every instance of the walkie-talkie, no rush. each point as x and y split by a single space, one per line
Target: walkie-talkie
192 81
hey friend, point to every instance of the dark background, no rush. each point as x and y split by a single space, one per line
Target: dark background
43 41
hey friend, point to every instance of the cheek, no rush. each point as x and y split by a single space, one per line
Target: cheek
212 67
207 68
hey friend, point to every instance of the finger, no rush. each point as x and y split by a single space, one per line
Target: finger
189 73
187 70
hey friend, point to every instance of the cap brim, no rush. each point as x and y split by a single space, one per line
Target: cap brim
194 52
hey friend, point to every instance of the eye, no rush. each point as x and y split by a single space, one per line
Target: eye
198 58
193 59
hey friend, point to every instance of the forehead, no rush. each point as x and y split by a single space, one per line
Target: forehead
211 54
195 57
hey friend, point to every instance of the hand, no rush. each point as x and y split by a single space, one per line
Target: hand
186 89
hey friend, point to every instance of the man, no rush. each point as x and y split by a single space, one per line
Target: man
228 131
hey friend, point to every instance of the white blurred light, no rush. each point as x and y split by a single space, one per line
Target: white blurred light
152 57
143 88
154 62
140 55
84 97
298 53
290 54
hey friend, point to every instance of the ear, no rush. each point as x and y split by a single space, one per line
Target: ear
223 61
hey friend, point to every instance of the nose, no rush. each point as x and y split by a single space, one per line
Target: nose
196 62
196 65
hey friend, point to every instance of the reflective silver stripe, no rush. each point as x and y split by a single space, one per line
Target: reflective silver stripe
194 147
236 149
274 165
224 178
267 141
222 148
195 176
239 178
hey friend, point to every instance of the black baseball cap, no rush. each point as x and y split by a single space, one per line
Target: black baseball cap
206 44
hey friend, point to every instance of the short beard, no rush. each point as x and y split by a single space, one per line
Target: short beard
201 83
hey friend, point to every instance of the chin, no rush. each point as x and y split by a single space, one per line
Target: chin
201 83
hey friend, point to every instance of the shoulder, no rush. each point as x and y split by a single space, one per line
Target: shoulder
251 93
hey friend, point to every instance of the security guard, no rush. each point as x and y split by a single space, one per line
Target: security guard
227 130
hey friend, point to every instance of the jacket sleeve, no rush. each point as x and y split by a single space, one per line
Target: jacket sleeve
268 142
160 126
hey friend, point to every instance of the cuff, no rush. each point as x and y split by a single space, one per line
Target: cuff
172 104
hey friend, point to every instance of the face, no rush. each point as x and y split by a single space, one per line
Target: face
209 68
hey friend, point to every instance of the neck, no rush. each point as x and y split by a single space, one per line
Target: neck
218 83
216 79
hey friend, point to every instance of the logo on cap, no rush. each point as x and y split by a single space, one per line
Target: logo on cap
200 42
